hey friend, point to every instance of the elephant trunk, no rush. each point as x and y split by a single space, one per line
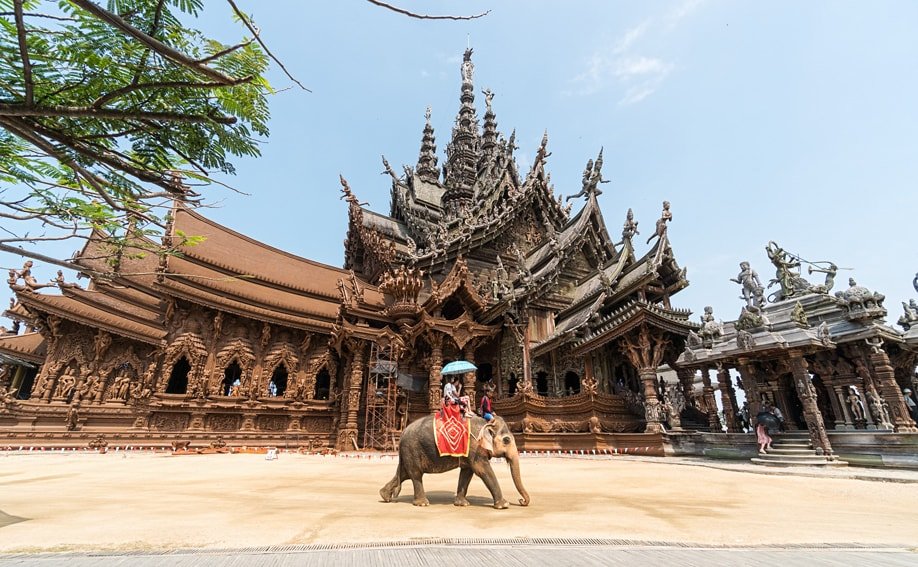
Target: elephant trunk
514 463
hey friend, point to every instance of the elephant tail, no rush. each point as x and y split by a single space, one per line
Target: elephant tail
390 491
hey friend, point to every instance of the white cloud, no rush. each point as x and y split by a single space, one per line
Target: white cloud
630 36
624 66
674 17
631 67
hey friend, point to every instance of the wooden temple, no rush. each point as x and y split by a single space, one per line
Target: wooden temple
474 260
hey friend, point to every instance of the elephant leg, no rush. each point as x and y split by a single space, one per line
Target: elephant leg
420 497
465 477
486 474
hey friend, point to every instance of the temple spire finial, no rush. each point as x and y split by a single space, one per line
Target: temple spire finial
427 168
489 135
464 149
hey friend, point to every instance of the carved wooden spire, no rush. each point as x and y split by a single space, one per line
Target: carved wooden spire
427 160
489 136
464 150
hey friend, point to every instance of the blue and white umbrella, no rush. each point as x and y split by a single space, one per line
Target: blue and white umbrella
458 367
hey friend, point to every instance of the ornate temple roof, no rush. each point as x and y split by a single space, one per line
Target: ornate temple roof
235 273
226 271
29 347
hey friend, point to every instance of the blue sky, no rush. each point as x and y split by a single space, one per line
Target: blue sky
786 121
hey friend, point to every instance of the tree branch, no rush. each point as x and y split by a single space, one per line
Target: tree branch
255 32
153 43
99 102
109 114
424 16
24 52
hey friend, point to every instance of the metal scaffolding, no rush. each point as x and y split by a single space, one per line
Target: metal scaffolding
381 392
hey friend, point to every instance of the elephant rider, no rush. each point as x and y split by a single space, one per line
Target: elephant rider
487 411
451 394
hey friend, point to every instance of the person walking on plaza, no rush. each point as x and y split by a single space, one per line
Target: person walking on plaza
910 403
763 438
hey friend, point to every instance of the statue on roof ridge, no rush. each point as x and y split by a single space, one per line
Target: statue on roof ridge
787 274
592 177
631 226
488 94
753 292
665 217
467 66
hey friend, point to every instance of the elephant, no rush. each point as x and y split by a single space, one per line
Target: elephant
417 455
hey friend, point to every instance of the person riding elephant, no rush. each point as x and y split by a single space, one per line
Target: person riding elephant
418 455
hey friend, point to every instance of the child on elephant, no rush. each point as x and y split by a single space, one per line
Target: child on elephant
486 411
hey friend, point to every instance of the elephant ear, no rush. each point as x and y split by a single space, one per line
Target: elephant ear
486 439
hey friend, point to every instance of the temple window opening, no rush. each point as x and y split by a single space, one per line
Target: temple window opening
232 379
542 383
178 378
512 384
323 384
571 383
279 379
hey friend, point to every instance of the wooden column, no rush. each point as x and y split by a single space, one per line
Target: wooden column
751 387
727 398
687 383
807 394
645 350
350 397
709 401
885 378
434 393
469 379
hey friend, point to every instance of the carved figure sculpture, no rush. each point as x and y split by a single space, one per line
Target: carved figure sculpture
787 274
65 386
910 316
711 329
418 455
879 409
665 217
753 292
631 226
854 402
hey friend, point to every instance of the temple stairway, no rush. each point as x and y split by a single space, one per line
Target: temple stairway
794 449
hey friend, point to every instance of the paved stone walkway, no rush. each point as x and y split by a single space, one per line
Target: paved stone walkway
408 555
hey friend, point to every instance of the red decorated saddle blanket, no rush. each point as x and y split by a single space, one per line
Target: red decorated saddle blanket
452 432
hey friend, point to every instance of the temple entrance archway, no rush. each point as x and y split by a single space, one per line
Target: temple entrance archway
178 378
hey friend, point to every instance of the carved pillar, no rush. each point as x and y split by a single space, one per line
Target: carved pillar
434 394
687 383
710 402
836 401
751 387
350 397
807 394
469 378
727 398
653 410
645 350
885 378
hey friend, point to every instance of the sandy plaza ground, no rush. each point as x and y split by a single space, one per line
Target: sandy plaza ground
142 501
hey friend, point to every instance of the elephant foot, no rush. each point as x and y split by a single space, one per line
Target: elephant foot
460 501
501 504
385 494
422 501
